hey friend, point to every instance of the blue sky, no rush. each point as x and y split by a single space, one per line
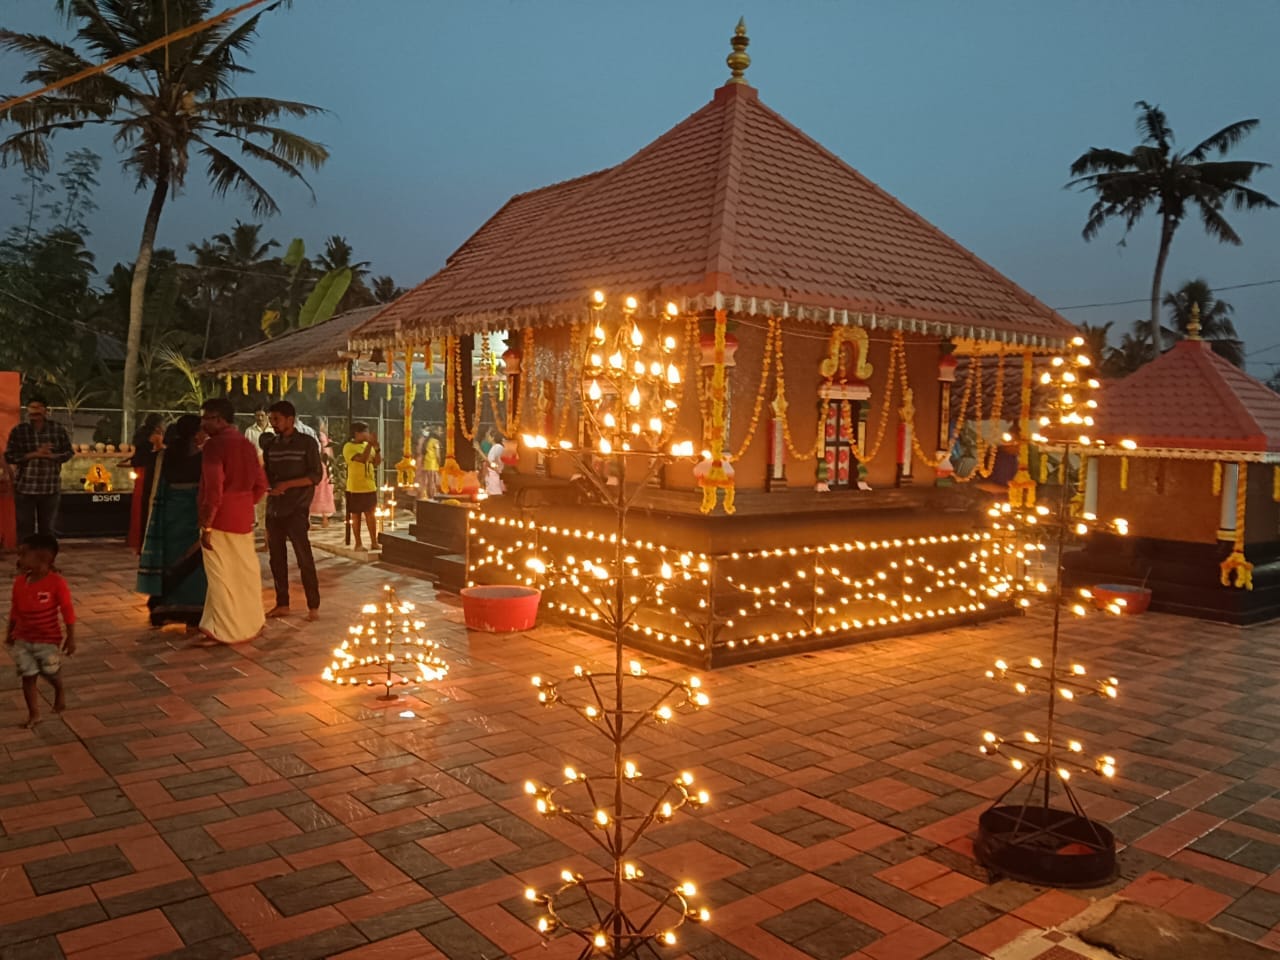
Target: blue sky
969 112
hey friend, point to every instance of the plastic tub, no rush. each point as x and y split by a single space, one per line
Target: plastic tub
500 609
1136 599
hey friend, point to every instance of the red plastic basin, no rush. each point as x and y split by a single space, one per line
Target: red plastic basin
1136 599
500 609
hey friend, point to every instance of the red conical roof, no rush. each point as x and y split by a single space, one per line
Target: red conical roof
732 207
1191 400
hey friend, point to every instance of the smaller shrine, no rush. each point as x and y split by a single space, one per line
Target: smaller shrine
1201 489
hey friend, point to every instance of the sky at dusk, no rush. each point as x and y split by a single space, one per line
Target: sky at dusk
970 113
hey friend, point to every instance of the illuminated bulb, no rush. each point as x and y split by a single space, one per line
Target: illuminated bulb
688 889
669 938
1001 665
530 893
600 941
637 338
597 297
602 818
629 770
1064 773
1035 662
989 736
704 915
630 303
570 773
610 421
1066 693
616 361
634 399
1030 737
605 446
594 391
672 310
1077 669
635 668
530 787
1016 763
665 810
1075 746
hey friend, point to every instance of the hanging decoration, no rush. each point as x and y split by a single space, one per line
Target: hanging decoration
365 389
227 383
344 379
271 383
257 381
1275 484
320 383
1124 473
1217 478
715 473
766 365
386 650
460 410
284 382
406 467
1022 489
1236 565
244 384
428 358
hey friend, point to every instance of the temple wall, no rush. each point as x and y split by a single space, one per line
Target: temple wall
1174 500
804 348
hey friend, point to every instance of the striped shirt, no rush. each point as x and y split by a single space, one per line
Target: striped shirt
289 457
38 476
36 605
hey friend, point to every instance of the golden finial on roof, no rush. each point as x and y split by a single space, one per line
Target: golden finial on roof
738 61
1193 326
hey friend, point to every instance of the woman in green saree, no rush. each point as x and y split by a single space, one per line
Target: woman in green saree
171 568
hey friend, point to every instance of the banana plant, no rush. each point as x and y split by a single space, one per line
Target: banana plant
299 308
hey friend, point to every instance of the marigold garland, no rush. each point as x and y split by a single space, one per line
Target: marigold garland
244 384
1236 563
1275 484
227 382
1124 473
765 369
468 433
1217 478
717 477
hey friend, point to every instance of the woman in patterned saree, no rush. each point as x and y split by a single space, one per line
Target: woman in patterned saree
171 569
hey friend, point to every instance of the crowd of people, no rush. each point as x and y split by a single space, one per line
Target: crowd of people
207 498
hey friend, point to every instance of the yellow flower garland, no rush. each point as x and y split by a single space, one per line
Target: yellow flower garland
1217 478
717 478
770 333
460 411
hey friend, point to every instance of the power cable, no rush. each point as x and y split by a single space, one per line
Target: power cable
128 55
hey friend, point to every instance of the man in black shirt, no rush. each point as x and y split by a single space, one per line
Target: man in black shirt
292 462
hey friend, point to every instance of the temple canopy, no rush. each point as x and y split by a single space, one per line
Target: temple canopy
733 208
1190 403
311 349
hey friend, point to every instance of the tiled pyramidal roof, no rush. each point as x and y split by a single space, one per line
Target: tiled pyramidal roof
733 207
1188 401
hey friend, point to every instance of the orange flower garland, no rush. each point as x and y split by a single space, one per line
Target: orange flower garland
718 477
1236 564
770 333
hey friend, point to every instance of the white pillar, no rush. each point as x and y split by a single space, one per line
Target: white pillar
1227 515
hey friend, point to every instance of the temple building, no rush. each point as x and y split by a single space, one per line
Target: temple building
1201 491
815 320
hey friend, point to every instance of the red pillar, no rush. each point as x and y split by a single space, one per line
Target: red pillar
10 414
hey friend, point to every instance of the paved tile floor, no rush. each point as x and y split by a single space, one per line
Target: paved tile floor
220 803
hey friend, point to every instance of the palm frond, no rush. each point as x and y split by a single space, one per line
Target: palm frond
1099 160
1215 224
225 174
284 144
1153 125
1222 141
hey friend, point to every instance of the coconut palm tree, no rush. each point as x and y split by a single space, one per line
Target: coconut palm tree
1095 341
1134 351
1215 319
163 107
338 255
1153 175
385 289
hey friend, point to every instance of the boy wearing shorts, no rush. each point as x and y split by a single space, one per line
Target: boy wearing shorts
363 458
40 596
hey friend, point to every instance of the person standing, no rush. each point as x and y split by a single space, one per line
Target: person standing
429 471
37 450
254 433
292 462
231 485
171 567
363 457
322 505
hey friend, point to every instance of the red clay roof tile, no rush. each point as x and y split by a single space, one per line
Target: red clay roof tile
734 201
1191 399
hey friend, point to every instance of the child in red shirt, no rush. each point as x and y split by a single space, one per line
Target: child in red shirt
39 596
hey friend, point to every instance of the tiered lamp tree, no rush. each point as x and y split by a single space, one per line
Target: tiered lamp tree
630 392
386 649
1023 834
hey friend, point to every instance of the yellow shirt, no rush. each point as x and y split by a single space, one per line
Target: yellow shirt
361 477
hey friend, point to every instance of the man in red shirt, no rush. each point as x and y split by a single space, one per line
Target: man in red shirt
231 483
39 596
